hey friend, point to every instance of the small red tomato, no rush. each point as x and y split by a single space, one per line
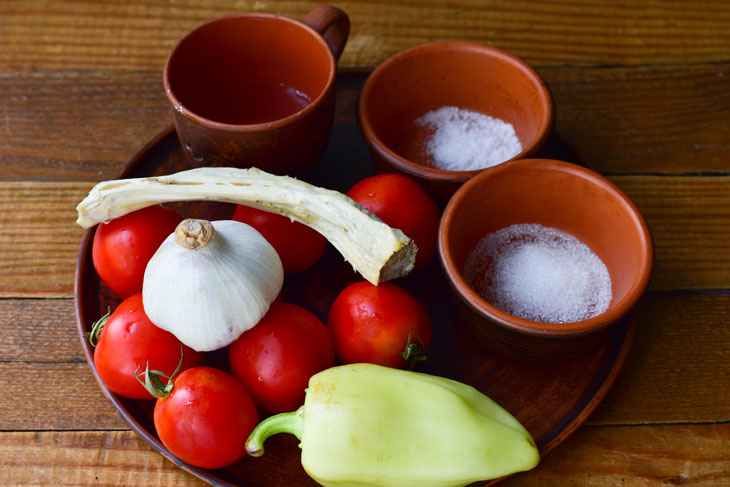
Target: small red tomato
206 418
275 359
299 247
401 203
376 324
130 340
122 247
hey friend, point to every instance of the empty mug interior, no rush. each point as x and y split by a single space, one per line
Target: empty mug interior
561 196
464 75
249 69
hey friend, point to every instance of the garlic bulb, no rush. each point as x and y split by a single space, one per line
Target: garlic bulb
374 249
210 281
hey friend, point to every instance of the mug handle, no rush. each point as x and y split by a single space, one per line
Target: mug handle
332 24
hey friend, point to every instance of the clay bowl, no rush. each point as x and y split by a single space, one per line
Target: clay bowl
462 74
555 194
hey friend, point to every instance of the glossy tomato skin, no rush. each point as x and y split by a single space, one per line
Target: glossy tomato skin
130 340
275 359
299 247
206 419
372 323
402 203
123 247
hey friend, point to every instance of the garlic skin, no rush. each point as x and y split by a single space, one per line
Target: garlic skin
211 281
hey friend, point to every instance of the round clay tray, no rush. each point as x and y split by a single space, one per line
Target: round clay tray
551 400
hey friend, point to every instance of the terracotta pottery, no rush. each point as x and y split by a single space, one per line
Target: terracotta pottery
525 389
555 194
256 89
430 76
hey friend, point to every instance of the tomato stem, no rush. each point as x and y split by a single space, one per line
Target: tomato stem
152 381
96 327
279 423
414 352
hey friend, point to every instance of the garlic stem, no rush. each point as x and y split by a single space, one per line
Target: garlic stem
194 234
377 251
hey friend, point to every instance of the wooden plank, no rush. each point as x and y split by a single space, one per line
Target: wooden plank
73 35
47 136
622 121
70 126
39 238
677 370
645 120
53 396
85 459
39 330
689 218
647 456
693 455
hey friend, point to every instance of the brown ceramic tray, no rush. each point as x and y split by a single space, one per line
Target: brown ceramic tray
552 401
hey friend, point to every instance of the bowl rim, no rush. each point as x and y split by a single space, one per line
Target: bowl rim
478 304
547 121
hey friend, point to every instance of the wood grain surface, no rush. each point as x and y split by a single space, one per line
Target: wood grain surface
664 381
642 92
656 119
601 457
689 217
73 35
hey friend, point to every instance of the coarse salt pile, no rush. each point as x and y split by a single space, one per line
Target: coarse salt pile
465 140
539 273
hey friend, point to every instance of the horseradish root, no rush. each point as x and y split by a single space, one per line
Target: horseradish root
375 250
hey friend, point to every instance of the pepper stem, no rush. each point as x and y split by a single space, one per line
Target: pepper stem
194 234
279 423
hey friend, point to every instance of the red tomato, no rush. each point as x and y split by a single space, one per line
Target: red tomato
375 324
206 418
130 340
123 246
299 247
401 203
275 359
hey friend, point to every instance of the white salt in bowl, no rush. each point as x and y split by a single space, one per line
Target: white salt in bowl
479 80
557 195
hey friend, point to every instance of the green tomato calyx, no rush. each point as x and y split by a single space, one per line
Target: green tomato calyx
152 379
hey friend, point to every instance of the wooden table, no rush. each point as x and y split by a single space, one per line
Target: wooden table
642 92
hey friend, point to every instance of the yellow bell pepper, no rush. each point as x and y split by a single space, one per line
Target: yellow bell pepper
364 425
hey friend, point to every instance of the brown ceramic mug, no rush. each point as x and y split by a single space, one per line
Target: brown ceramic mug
257 89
